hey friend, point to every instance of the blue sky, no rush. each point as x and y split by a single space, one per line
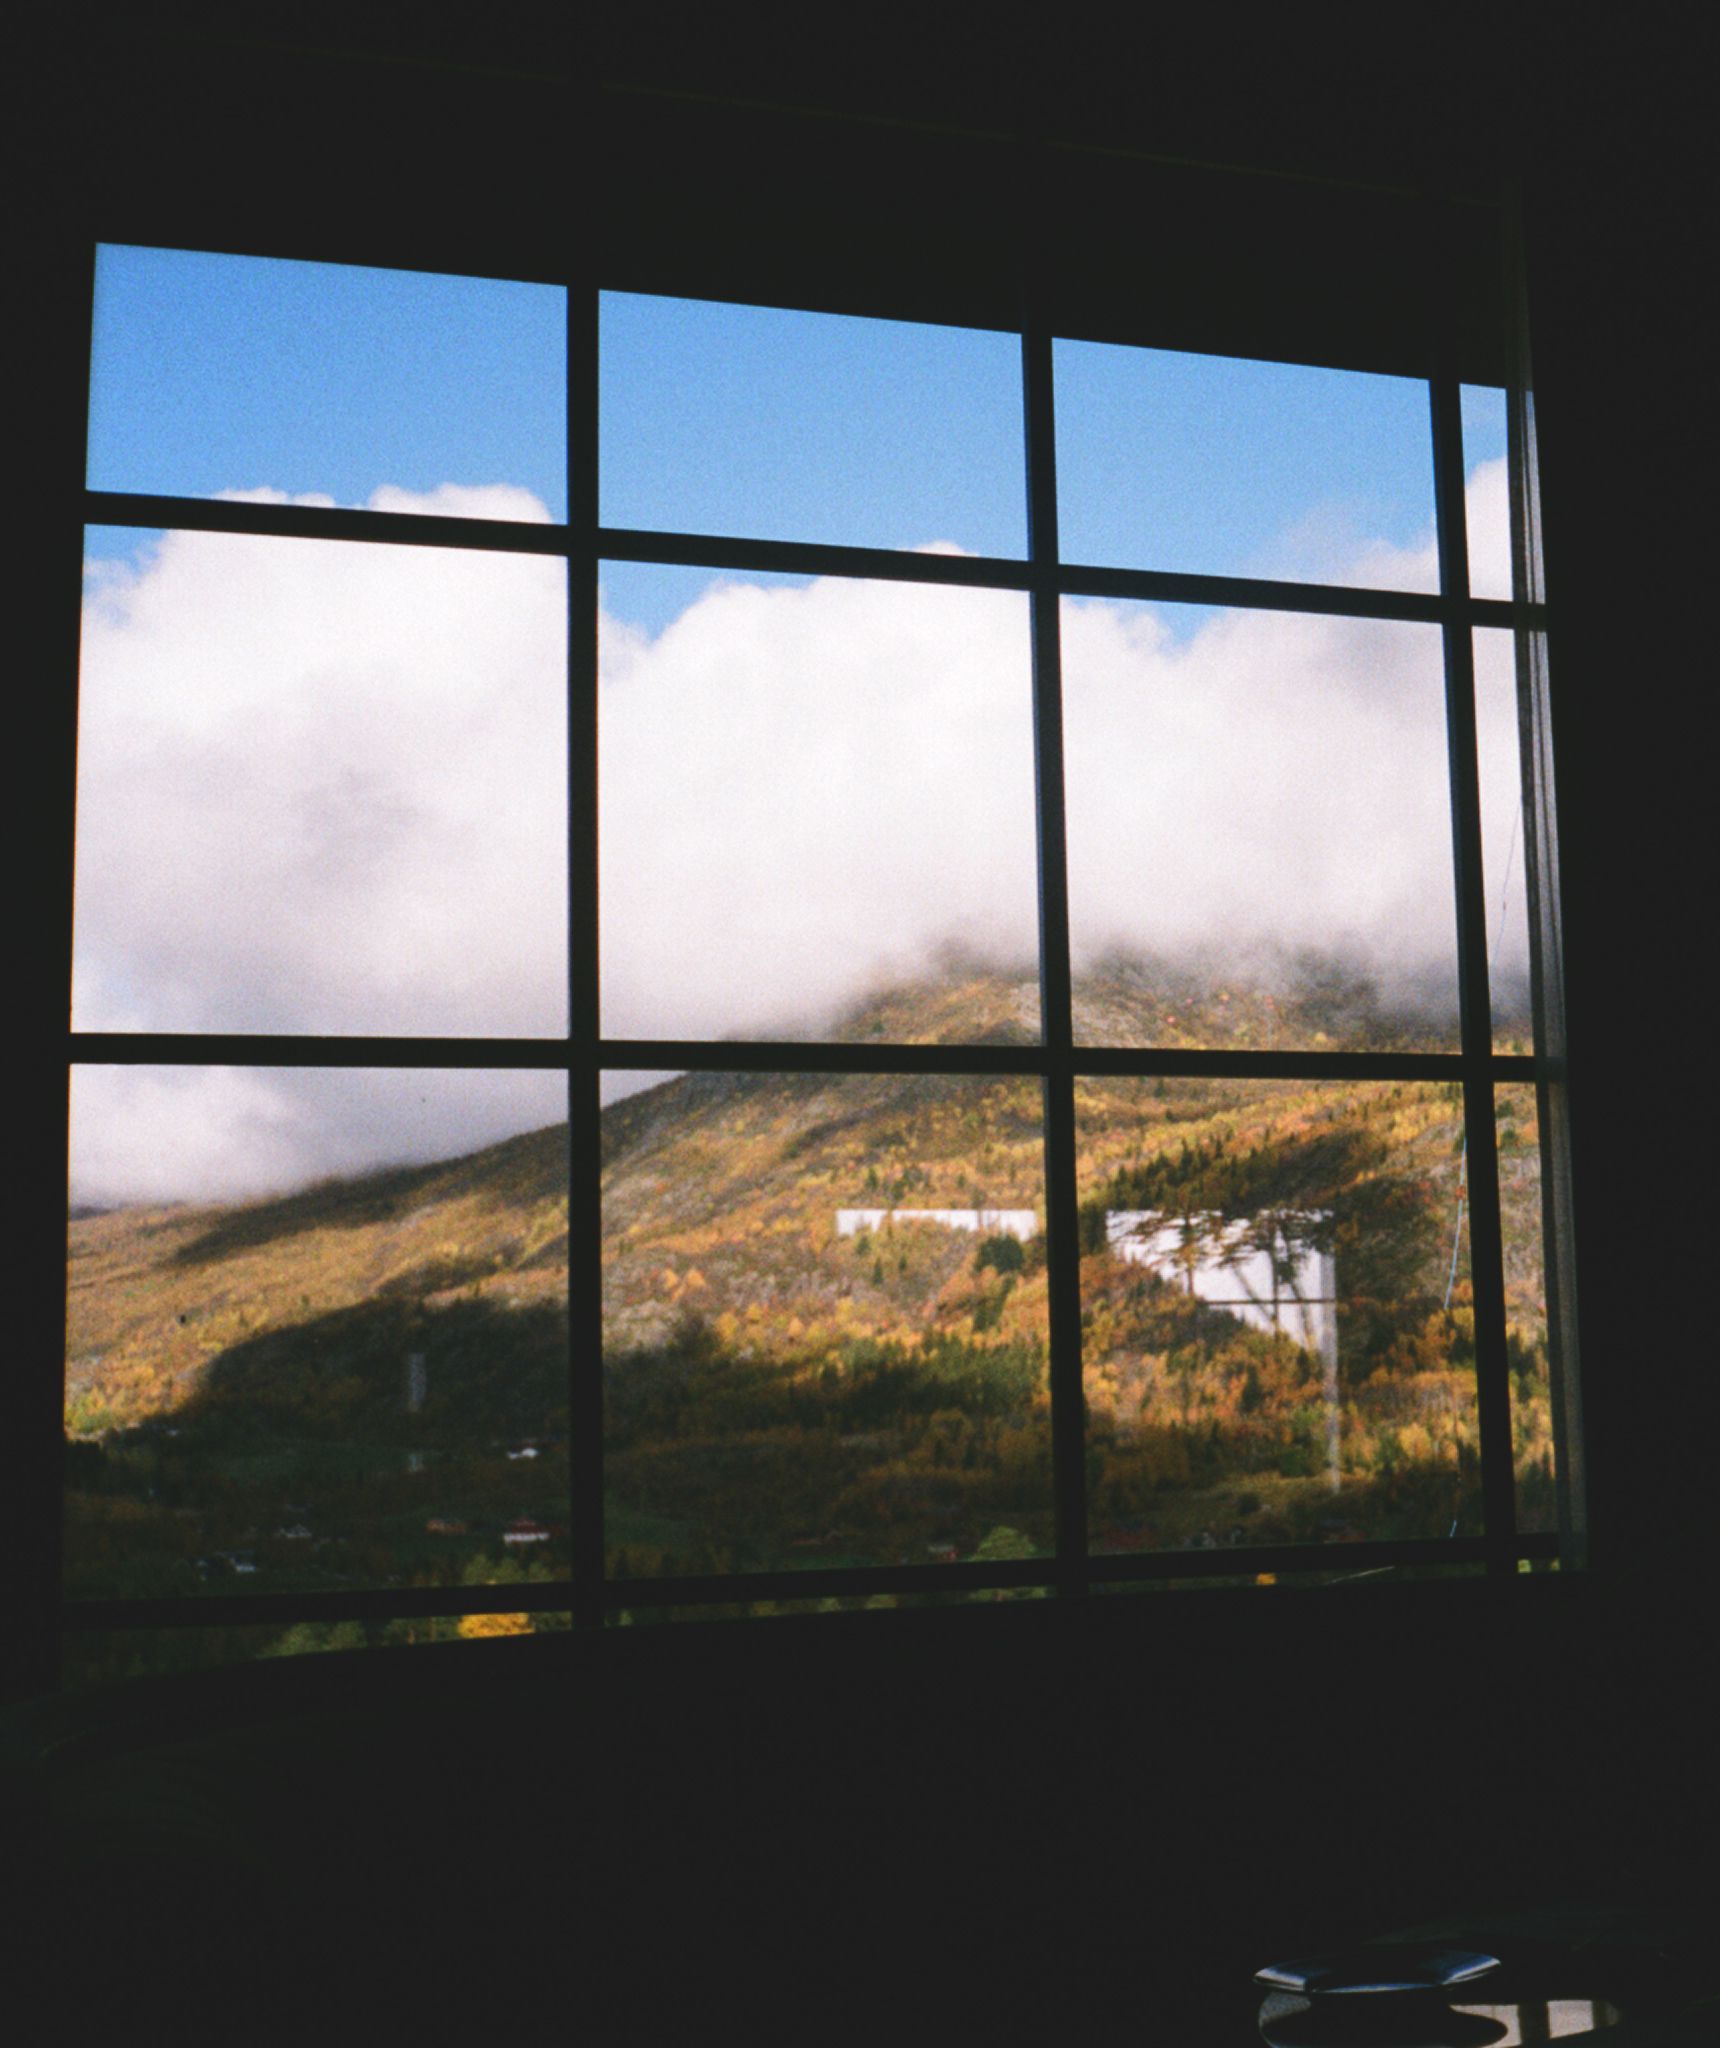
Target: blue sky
216 373
1206 464
1483 424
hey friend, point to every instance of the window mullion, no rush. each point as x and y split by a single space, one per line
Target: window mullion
585 1154
1546 937
32 1402
1480 1171
1062 1220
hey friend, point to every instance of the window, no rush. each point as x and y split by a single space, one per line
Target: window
927 971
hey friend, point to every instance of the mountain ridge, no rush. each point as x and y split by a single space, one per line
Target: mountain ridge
781 1391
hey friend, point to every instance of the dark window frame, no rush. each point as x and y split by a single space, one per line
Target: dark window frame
1040 292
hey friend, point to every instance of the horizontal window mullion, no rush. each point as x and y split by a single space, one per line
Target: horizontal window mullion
1294 1560
1037 1572
1077 579
838 1583
809 558
1288 1558
325 522
772 1056
1035 1061
731 552
1506 612
739 554
285 1610
242 1049
1267 1065
753 1056
385 1603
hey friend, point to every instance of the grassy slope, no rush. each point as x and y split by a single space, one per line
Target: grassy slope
292 1316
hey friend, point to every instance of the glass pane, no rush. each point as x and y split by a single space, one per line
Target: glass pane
817 814
316 1330
1278 1334
824 1323
1503 868
1259 829
1218 466
1521 1226
780 425
400 390
322 787
1487 501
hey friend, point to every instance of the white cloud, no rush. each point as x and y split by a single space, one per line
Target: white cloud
806 789
222 1133
321 788
1279 781
1488 513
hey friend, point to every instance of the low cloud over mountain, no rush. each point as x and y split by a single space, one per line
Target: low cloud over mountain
322 788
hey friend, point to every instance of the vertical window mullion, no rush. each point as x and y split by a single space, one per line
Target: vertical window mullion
1546 939
585 1200
32 1406
1062 1219
1474 981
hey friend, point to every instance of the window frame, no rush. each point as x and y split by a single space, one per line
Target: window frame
1056 1062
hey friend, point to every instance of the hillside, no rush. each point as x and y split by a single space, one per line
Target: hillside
366 1381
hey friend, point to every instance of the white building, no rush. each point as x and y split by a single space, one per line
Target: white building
1251 1269
1017 1223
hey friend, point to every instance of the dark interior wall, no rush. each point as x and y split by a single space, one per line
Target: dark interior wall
1005 1823
1619 201
938 1782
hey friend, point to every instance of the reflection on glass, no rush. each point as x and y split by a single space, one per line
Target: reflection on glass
321 787
214 376
1219 466
824 1323
357 1379
1259 829
1521 1225
781 425
1487 500
1503 856
1278 1324
817 806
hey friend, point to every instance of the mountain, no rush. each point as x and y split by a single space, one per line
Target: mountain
825 1311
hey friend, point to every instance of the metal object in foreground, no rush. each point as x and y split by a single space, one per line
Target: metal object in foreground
1380 1968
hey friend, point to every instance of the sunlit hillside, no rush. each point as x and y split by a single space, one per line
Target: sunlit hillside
188 1311
825 1313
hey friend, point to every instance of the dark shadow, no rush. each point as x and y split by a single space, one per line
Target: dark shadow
487 1372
